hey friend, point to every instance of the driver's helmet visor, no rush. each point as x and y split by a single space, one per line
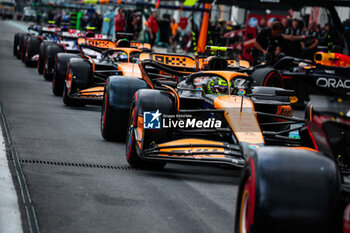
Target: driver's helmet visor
220 89
218 86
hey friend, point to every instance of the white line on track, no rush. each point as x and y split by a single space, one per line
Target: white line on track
19 25
10 216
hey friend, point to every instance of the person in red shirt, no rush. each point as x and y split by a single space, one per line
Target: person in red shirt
152 27
119 21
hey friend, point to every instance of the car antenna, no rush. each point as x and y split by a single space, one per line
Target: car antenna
241 93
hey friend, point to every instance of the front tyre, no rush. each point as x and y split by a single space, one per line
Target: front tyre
132 156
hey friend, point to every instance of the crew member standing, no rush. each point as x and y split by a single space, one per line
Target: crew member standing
152 27
174 34
293 47
119 21
310 44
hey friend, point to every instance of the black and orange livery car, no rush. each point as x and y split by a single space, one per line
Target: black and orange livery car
174 117
86 75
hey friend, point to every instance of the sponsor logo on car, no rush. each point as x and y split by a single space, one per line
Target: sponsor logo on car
333 83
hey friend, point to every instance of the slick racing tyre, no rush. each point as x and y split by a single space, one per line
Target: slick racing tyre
59 75
32 49
16 43
42 54
118 96
79 77
20 45
24 47
138 138
288 190
267 77
49 60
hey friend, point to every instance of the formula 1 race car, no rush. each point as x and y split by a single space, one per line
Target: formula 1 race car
85 76
58 66
293 190
328 75
182 116
28 45
66 43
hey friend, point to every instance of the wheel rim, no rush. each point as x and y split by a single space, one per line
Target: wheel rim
273 80
243 218
130 138
246 208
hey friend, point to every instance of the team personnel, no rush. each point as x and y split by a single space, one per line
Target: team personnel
174 34
309 45
152 27
293 48
119 21
271 41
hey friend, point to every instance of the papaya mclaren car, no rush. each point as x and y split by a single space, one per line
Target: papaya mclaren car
328 75
293 190
86 75
67 43
198 62
178 116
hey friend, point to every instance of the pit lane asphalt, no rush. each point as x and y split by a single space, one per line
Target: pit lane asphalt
181 198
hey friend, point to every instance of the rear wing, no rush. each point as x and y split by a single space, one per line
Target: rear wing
49 29
141 46
171 60
75 34
72 34
239 63
186 63
96 43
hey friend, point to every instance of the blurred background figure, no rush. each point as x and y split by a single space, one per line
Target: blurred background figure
174 39
152 27
293 48
309 45
119 21
262 25
133 25
325 37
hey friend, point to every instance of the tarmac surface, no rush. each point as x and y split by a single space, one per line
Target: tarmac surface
80 183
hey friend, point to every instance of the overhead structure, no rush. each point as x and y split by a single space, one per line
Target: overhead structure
280 4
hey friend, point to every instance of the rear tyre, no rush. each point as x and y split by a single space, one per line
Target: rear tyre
16 43
79 77
24 47
267 77
277 193
118 95
42 54
49 61
132 155
146 100
60 70
32 49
